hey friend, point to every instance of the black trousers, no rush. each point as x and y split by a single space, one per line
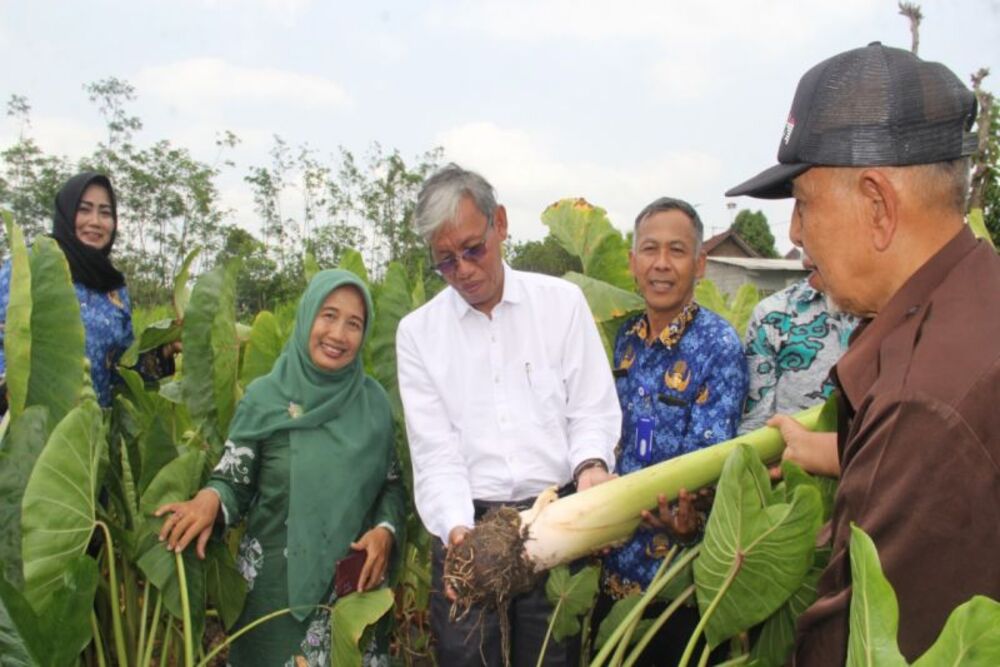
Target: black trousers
469 643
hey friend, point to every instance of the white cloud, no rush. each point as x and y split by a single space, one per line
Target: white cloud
198 82
682 77
528 175
57 135
778 21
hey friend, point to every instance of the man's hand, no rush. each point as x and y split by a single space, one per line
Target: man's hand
815 453
377 542
683 522
455 537
188 520
592 477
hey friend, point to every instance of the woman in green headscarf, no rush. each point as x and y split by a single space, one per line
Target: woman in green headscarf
310 462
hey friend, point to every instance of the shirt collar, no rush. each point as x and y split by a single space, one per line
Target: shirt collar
513 292
672 333
859 368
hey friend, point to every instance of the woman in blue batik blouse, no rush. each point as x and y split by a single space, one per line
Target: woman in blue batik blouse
85 224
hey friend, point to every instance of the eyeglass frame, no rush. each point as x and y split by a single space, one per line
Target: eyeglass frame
473 254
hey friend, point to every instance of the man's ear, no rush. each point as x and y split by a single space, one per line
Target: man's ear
880 206
500 222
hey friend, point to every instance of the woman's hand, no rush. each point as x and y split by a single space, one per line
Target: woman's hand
377 542
189 520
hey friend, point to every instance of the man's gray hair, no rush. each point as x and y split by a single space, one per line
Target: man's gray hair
664 204
441 194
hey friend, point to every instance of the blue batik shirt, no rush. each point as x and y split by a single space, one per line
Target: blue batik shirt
107 326
794 337
679 392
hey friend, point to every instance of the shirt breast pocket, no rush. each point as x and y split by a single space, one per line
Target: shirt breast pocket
548 397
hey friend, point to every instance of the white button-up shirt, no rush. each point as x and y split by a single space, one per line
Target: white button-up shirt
502 407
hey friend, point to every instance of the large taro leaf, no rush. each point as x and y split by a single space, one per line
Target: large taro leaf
22 639
777 634
266 341
67 616
874 619
310 267
17 328
350 618
584 231
707 294
59 506
21 447
160 567
609 305
57 347
759 547
971 637
211 350
352 261
175 482
182 294
746 299
225 586
571 597
394 302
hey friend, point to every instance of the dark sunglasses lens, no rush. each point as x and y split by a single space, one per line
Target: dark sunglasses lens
475 252
447 266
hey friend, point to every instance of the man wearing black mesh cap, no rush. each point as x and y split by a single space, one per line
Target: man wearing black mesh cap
875 154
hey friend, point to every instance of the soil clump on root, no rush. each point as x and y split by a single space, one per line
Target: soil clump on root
488 568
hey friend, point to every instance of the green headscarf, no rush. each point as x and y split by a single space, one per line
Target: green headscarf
339 425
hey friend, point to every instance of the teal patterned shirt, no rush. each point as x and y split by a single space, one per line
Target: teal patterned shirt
793 339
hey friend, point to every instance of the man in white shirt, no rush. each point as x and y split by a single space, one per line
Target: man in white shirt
507 391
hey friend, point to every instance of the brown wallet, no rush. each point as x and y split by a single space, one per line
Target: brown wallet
347 574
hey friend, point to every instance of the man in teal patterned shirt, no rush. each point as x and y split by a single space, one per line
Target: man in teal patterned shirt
681 378
794 337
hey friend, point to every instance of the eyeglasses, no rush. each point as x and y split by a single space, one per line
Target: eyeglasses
474 253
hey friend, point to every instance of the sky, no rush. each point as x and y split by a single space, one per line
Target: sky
617 102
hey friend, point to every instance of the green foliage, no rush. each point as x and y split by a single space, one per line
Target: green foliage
17 328
211 352
545 256
350 617
737 311
60 501
874 610
753 228
978 226
571 597
971 635
585 232
55 637
756 550
619 611
267 337
21 446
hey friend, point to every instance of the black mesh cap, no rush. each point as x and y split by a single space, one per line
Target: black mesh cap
873 106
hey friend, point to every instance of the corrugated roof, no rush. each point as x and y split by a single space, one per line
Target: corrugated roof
761 264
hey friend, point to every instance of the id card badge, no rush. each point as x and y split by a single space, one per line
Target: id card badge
644 439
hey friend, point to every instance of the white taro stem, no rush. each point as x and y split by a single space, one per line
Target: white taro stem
562 530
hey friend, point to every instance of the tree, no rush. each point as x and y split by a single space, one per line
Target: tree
545 256
753 228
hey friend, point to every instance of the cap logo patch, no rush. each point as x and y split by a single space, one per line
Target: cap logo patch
789 126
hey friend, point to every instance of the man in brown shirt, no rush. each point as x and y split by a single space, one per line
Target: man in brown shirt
875 155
